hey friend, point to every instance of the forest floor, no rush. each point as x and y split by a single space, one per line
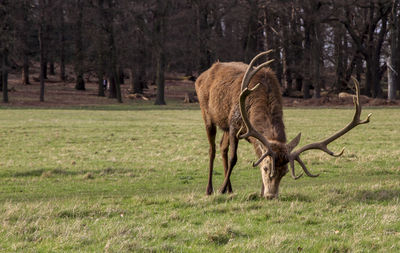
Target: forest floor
60 94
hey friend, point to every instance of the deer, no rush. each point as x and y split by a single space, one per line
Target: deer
245 102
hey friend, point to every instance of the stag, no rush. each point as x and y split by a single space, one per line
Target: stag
245 102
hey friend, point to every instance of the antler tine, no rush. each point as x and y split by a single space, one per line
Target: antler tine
322 145
356 101
262 158
292 171
250 72
305 168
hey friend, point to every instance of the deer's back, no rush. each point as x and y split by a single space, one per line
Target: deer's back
218 90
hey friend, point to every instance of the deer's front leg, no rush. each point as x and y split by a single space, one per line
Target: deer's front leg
233 143
224 146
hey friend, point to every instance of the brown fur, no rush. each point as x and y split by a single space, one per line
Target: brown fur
218 91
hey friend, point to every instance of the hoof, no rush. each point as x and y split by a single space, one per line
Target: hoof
222 190
230 188
271 196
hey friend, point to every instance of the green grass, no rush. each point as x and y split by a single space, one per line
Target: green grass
133 178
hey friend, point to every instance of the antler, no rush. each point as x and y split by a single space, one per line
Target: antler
322 145
245 91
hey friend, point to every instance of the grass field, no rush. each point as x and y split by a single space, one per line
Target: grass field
133 178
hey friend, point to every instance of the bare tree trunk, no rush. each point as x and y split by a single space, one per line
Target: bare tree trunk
115 88
287 57
63 77
51 68
203 34
112 91
307 61
378 92
42 49
101 73
116 79
356 61
285 72
80 82
100 51
62 44
138 79
160 81
5 75
339 55
368 77
250 41
391 77
159 31
121 75
100 84
25 44
359 67
394 55
132 77
115 83
25 69
396 42
272 39
316 59
46 40
296 52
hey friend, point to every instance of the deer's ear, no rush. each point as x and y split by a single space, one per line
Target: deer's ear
293 143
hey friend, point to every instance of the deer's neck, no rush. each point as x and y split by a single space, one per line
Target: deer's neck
268 120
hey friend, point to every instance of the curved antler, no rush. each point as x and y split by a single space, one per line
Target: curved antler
323 145
245 91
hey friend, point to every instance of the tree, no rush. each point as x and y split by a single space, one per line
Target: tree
62 40
24 37
138 66
250 43
79 54
394 55
318 44
112 73
5 42
4 74
369 39
42 46
160 13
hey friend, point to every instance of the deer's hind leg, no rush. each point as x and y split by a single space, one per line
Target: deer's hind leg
224 146
211 132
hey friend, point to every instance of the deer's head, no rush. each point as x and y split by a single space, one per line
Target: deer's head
277 156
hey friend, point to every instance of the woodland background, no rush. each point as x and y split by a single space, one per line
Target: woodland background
318 44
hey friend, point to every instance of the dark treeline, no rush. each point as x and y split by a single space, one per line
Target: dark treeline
318 44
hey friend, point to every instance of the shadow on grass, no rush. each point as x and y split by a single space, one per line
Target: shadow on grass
295 197
42 172
56 172
377 196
